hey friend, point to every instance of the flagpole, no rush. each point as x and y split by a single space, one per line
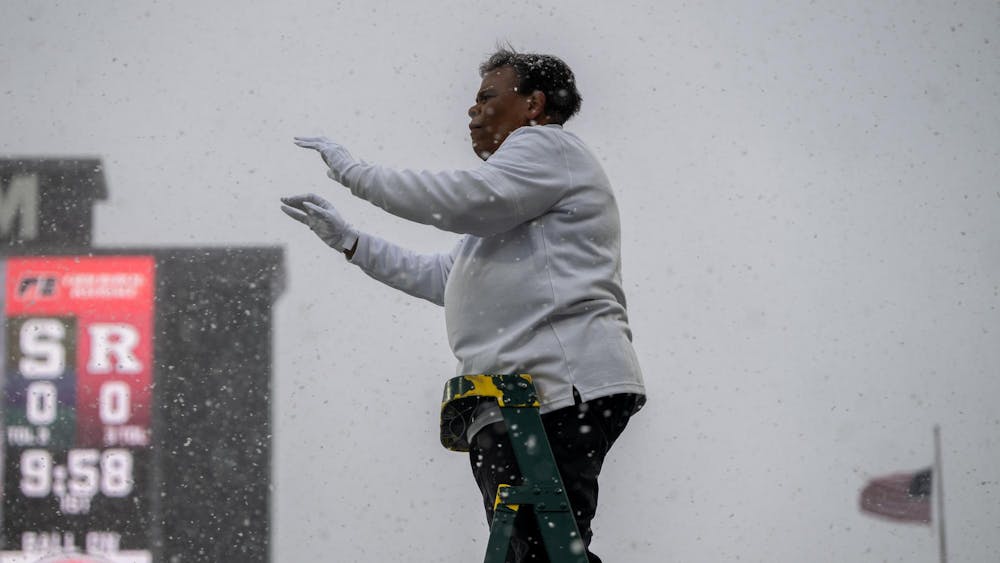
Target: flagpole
938 486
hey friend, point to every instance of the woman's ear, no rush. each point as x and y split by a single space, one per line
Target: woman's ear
536 106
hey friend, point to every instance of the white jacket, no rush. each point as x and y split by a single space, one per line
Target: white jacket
534 286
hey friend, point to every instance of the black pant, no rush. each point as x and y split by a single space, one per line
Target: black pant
580 436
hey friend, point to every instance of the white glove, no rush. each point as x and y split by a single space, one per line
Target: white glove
324 220
334 154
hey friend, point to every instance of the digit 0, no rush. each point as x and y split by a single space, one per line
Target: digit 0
115 402
41 403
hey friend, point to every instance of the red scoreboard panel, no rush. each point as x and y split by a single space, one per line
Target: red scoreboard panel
77 404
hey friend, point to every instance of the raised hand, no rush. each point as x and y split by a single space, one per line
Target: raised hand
335 155
323 218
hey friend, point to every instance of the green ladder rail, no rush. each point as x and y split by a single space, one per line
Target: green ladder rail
541 485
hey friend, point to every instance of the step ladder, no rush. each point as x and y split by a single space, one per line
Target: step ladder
542 488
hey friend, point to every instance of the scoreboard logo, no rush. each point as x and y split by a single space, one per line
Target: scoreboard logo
33 287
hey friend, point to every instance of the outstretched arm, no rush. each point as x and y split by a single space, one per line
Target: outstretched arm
520 182
416 274
419 275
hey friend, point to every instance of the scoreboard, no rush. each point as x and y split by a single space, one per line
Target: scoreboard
136 424
78 346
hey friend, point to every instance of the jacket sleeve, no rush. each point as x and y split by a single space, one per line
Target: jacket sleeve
419 275
522 180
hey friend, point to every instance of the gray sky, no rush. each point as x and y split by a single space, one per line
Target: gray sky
810 197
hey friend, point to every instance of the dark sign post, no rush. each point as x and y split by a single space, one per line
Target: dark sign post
48 202
136 389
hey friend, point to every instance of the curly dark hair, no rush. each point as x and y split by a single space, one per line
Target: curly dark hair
545 73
